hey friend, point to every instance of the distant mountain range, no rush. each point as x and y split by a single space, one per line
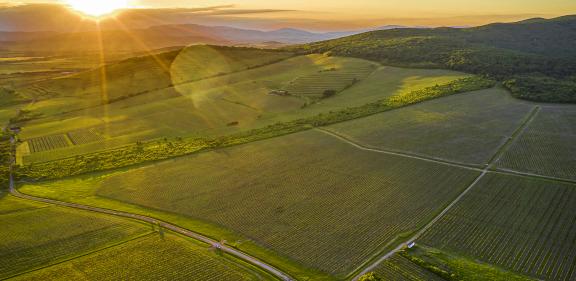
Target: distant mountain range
54 28
161 36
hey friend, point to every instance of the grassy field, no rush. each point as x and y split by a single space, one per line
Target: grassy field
332 79
151 257
141 75
520 224
331 216
220 105
191 64
36 235
429 264
467 128
547 146
399 268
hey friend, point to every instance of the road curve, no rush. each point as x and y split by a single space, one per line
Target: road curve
238 254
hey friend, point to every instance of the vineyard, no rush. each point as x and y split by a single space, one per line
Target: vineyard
466 128
547 145
128 77
35 235
48 143
399 268
191 63
359 201
521 224
151 258
332 79
84 136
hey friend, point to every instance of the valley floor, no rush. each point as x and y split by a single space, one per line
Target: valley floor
478 185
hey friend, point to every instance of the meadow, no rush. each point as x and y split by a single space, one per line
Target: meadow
226 103
331 217
36 235
521 224
151 257
546 147
425 263
467 128
399 268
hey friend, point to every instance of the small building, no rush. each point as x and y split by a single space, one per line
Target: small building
279 93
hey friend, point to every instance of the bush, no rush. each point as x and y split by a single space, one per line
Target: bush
542 88
370 277
328 93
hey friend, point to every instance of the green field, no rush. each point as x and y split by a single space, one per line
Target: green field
151 258
399 268
521 224
429 264
467 128
333 215
176 94
191 63
546 147
36 235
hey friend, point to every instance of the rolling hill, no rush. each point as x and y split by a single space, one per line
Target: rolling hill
535 59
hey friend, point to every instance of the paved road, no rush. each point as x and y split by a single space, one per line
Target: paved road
238 254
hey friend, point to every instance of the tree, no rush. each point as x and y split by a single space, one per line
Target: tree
328 93
370 277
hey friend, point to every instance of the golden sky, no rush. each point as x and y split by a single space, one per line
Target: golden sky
361 13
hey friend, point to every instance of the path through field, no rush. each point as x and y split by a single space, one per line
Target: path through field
376 259
236 253
489 166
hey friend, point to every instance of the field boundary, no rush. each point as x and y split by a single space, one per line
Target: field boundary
501 150
68 259
179 230
422 230
398 153
518 132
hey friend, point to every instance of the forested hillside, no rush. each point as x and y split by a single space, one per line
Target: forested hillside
536 59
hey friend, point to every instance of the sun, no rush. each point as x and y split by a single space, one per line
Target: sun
97 8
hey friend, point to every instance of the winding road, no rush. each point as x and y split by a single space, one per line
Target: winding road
378 259
234 252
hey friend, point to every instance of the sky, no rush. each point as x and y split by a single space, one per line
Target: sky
340 14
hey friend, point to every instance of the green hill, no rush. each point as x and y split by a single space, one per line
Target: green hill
535 58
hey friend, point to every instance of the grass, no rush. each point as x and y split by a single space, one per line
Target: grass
467 128
168 148
191 64
187 109
424 263
208 107
315 85
35 235
546 147
331 217
152 257
142 75
520 224
399 268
